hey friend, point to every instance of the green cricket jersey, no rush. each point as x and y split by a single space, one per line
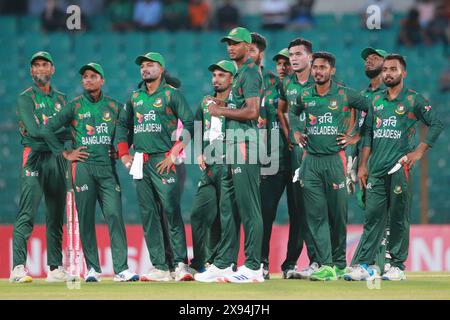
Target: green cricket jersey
213 130
326 116
268 113
93 125
247 83
34 109
390 128
154 118
289 90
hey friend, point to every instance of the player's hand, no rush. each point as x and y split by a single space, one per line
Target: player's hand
411 158
214 110
301 139
363 174
165 165
216 101
113 154
201 162
127 161
76 155
290 144
345 140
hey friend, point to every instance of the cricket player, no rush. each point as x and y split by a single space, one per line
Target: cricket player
93 118
389 154
373 63
272 184
300 57
241 181
327 107
152 114
43 173
205 217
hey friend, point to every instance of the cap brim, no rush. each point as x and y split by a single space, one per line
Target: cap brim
41 57
84 68
139 60
216 66
367 52
278 56
226 39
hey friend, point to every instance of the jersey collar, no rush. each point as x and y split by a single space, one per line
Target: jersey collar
400 97
333 90
41 93
89 98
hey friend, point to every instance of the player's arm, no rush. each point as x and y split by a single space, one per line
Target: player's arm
251 88
62 119
363 172
124 126
356 101
30 122
198 150
181 109
427 115
294 121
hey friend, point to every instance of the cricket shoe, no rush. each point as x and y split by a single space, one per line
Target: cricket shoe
361 272
126 276
20 275
183 272
57 275
394 274
265 270
324 273
213 274
245 275
156 275
340 272
291 274
92 276
308 271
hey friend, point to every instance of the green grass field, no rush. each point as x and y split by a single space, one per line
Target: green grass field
418 286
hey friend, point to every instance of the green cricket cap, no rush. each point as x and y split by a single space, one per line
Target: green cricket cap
42 55
94 67
238 34
368 51
283 53
225 65
151 56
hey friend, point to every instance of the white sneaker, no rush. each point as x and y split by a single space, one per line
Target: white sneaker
156 275
126 276
245 275
308 271
92 276
183 273
362 272
57 275
394 274
20 275
213 274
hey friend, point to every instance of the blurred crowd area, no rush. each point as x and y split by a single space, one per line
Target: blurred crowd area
426 21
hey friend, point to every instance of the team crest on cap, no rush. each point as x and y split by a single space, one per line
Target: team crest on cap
333 105
233 32
58 106
106 116
427 108
158 103
398 189
400 109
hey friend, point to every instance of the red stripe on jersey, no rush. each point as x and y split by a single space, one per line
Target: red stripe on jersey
26 153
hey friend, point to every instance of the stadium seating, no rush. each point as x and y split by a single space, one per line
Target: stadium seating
188 55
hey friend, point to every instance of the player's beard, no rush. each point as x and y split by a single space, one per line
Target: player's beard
41 79
219 89
373 73
394 82
324 80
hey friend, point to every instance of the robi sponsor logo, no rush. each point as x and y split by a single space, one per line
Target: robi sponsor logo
31 173
168 181
312 119
82 188
338 186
